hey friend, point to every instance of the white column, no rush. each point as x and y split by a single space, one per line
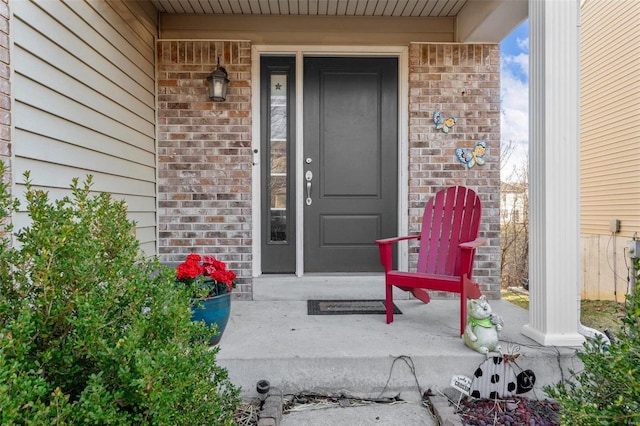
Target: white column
554 227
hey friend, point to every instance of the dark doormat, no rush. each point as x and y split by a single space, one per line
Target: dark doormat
348 307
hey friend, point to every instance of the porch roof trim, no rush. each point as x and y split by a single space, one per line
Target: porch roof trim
475 21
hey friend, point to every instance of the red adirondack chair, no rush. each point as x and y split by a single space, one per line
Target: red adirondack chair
448 242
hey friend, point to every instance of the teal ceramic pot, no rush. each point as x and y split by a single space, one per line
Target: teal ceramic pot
213 310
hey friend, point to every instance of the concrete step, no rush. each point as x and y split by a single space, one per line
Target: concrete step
361 355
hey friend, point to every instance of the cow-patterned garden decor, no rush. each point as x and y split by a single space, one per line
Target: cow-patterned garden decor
495 378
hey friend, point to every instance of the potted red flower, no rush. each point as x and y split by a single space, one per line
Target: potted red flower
210 283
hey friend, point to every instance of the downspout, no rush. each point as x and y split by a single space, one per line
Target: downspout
588 332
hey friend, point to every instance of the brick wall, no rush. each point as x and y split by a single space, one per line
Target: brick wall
461 81
5 90
204 156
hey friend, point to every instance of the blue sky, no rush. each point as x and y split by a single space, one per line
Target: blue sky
514 96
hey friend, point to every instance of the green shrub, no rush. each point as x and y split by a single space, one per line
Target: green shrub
607 390
93 333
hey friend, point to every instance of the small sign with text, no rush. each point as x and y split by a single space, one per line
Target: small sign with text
461 383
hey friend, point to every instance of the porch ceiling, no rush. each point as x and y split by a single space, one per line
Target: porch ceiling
414 8
477 21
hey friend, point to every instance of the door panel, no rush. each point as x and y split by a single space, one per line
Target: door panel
337 230
350 147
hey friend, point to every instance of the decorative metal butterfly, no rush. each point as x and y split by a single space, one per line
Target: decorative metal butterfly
443 124
510 358
472 157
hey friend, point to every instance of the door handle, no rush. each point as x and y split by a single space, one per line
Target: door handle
308 176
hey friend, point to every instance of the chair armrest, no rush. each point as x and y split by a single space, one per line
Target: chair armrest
386 241
474 244
384 247
468 251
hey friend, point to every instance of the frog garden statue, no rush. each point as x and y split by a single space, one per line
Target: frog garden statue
483 326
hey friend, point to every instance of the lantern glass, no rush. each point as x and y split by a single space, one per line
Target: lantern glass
218 84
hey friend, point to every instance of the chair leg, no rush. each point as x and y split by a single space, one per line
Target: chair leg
421 294
463 306
389 303
469 290
473 290
463 312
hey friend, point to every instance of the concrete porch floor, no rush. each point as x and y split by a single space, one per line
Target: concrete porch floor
273 338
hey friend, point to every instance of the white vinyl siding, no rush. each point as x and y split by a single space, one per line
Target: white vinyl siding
84 101
610 116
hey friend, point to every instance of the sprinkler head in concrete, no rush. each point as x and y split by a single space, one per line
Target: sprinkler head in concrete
262 388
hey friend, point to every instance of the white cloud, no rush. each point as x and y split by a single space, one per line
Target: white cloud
515 108
523 44
514 116
518 65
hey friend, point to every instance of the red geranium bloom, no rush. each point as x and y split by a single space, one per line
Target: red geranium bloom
210 278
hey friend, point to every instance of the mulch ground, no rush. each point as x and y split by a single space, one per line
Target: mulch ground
510 412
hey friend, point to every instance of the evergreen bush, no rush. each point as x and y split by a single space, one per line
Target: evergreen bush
91 331
607 390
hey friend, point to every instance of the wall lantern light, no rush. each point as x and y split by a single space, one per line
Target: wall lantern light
218 84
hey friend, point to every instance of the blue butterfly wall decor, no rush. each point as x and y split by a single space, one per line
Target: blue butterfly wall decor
472 157
443 124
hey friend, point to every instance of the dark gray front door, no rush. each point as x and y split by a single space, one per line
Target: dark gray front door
350 161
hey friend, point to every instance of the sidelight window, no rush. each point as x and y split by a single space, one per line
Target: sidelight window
278 157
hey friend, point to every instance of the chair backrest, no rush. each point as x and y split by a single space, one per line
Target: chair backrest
451 217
